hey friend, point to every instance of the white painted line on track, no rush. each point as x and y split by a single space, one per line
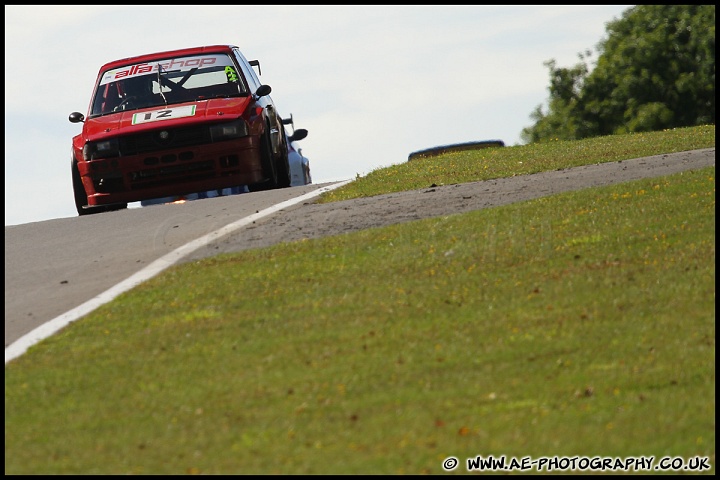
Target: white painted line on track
45 330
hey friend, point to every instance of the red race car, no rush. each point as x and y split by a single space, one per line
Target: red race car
175 123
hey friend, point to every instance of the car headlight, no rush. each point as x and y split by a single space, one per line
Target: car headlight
102 149
228 131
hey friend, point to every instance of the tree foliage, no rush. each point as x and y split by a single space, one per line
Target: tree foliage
655 70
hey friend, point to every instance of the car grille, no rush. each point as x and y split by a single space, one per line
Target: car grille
166 156
160 176
163 139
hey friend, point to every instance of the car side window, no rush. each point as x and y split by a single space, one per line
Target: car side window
248 71
106 99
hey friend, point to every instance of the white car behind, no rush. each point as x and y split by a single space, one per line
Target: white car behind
299 164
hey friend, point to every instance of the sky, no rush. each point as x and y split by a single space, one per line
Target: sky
371 83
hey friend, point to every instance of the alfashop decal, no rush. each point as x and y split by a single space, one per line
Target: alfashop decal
135 70
174 64
188 63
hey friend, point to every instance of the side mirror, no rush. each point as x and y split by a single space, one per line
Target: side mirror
299 134
263 90
76 117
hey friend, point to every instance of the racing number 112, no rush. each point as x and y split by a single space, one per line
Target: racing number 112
158 114
177 112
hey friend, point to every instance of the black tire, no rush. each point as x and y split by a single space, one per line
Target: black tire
79 191
81 196
283 169
268 164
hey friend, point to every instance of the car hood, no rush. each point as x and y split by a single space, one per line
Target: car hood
135 121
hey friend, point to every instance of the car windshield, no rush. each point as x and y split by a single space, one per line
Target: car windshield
167 82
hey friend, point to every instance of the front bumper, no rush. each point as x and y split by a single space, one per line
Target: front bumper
178 171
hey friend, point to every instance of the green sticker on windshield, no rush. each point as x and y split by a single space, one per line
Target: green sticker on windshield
231 74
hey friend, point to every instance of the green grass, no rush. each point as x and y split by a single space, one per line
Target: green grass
578 324
489 163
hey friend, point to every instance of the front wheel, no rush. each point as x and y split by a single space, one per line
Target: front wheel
268 165
79 191
81 199
283 171
282 163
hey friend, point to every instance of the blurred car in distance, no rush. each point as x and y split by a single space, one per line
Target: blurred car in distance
175 123
299 164
455 147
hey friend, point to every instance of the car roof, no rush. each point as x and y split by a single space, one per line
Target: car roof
149 57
